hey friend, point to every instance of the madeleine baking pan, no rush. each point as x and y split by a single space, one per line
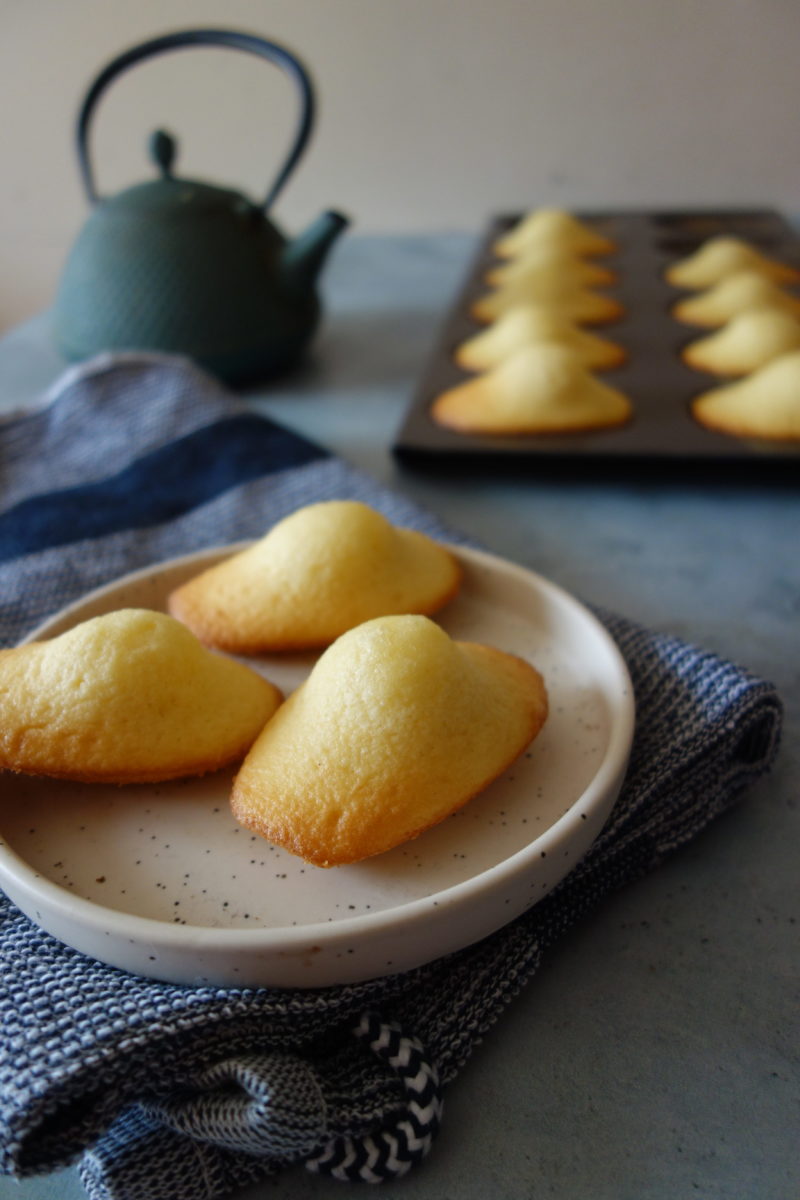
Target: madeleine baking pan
662 435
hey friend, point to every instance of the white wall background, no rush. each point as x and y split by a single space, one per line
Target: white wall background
432 113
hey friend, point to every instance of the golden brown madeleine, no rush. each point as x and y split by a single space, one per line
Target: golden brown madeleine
552 227
396 727
539 389
530 325
733 295
747 343
722 256
572 302
130 697
316 574
765 404
549 263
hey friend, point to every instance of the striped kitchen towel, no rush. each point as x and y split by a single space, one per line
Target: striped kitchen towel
163 1092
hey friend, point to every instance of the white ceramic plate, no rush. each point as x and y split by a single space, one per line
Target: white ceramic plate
161 880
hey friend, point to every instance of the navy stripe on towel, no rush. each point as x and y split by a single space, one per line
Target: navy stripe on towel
157 487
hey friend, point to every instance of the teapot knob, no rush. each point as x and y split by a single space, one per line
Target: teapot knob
162 147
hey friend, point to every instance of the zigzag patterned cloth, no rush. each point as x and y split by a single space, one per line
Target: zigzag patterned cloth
162 1092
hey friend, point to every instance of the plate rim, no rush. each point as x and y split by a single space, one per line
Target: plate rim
289 938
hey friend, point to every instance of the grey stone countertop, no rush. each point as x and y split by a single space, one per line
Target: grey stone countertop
654 1056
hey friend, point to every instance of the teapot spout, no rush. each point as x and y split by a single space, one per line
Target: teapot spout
302 259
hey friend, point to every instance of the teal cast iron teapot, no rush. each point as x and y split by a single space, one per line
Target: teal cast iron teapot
185 267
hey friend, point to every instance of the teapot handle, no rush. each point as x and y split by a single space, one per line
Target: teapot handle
202 37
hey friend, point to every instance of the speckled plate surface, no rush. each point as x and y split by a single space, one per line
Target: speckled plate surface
162 881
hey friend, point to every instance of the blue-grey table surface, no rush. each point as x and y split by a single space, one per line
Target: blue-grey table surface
654 1057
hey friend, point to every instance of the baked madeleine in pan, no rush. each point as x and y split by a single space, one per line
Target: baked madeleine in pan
577 304
550 263
722 256
747 343
765 404
530 325
734 295
552 227
537 390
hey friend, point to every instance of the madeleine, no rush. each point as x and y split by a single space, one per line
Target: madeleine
532 325
540 389
722 256
396 727
316 574
747 343
765 404
552 227
130 697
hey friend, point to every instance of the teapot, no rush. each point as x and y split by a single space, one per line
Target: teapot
185 267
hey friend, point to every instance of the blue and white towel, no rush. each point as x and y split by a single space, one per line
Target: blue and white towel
162 1092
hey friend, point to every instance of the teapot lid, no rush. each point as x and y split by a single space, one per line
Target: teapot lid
171 193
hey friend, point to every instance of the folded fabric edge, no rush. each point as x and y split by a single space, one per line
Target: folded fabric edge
99 364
